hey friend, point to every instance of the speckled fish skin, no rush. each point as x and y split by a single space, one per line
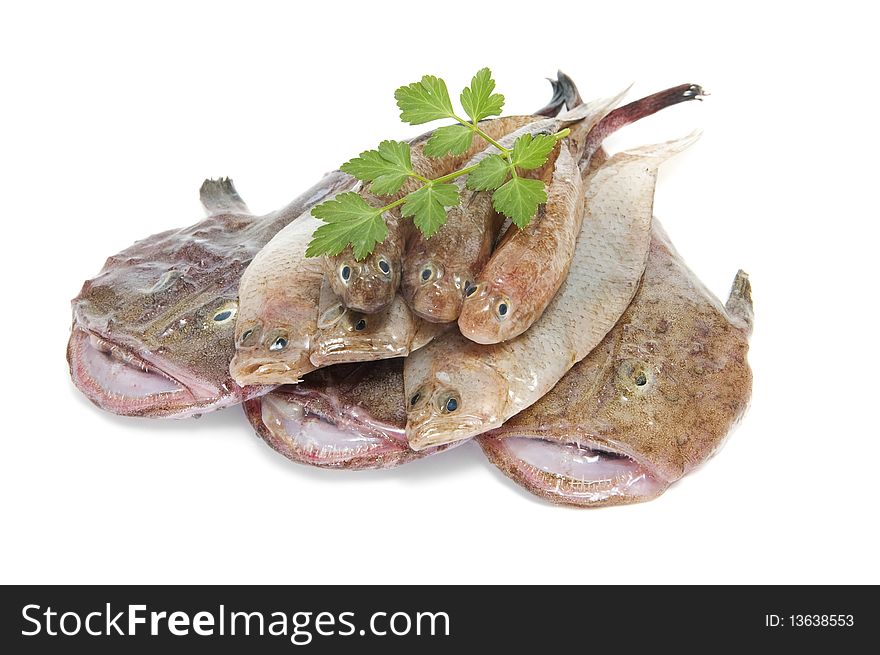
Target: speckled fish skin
343 417
152 334
529 265
491 383
512 291
372 283
653 401
346 336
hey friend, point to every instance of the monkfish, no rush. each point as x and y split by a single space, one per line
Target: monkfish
153 332
653 401
348 416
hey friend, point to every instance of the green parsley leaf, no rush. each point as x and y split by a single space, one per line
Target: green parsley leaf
532 152
387 167
478 100
490 174
519 198
424 101
349 220
428 206
452 139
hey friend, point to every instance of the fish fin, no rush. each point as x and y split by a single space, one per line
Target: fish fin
594 108
220 197
666 149
565 94
739 303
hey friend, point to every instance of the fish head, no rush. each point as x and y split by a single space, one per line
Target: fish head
434 291
451 398
345 335
486 313
368 285
272 342
152 333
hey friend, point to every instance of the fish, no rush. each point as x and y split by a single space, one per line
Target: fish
368 286
152 333
529 265
346 336
278 303
653 401
440 272
458 388
350 416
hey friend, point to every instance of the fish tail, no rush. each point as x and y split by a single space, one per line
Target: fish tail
565 93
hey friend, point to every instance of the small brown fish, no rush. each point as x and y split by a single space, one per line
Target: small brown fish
152 333
346 336
653 401
350 416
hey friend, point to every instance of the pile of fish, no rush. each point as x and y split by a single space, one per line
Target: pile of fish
586 359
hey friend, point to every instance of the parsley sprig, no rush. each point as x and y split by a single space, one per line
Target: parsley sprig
350 220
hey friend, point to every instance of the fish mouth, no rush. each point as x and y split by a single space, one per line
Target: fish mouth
314 428
335 350
576 472
267 371
432 433
123 382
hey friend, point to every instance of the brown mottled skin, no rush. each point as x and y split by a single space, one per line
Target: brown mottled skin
663 388
154 305
362 398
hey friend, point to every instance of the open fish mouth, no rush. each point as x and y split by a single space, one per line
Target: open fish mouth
313 428
573 473
120 381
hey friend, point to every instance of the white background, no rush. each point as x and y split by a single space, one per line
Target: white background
111 115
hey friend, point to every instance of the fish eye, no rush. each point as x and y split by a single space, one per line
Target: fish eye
449 404
429 272
502 308
634 374
384 266
249 337
360 325
277 340
415 398
224 313
345 272
469 289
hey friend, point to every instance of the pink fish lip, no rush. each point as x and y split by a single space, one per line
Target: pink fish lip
312 427
129 383
578 471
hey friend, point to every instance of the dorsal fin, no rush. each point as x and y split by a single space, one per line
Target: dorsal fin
565 93
220 197
739 303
